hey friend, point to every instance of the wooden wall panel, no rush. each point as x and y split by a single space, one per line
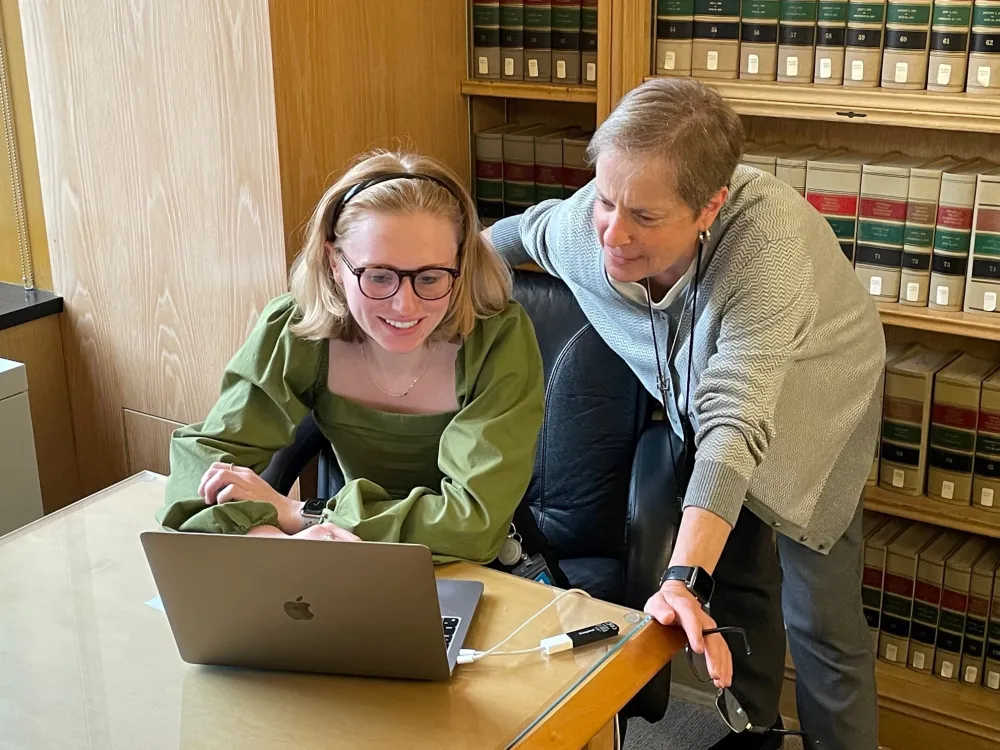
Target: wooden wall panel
148 442
38 345
352 75
159 171
10 259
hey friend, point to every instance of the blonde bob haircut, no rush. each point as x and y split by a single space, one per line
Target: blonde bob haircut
482 289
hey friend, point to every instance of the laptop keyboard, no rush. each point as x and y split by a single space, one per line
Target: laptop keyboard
450 625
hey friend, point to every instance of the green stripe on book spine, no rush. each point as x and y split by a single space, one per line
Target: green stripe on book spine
952 242
914 236
915 15
958 16
485 14
865 12
901 433
987 244
719 8
946 437
761 10
832 11
797 10
880 232
986 15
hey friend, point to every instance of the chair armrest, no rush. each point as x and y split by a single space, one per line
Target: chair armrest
654 514
288 463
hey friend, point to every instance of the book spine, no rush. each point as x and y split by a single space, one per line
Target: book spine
831 36
716 43
881 220
834 193
983 76
489 177
952 443
951 628
486 38
588 42
871 589
926 611
566 21
951 22
986 480
983 283
548 168
796 40
897 608
907 41
576 171
952 230
918 236
674 37
538 41
991 664
759 40
518 174
792 172
904 414
976 621
512 39
864 43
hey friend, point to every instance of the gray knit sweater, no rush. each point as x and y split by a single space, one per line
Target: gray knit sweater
788 352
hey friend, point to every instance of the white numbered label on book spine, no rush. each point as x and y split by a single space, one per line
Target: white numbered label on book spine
941 295
983 76
897 477
947 490
560 68
875 285
990 301
792 66
753 64
857 70
533 68
944 74
826 68
918 660
890 652
993 680
592 71
986 498
901 71
912 291
947 670
669 60
712 63
971 673
484 65
508 66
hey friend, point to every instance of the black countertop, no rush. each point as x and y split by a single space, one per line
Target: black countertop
18 306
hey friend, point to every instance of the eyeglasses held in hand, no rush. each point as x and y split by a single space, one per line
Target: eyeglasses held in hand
729 708
429 283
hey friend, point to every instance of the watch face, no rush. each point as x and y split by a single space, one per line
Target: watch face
314 506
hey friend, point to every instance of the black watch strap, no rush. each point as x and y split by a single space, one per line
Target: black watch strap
698 581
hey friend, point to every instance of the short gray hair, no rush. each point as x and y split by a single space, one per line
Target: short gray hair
686 124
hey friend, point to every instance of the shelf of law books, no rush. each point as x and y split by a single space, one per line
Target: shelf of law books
917 63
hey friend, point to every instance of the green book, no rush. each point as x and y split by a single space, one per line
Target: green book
512 39
588 42
538 41
486 38
674 37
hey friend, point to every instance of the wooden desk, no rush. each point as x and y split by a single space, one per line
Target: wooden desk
86 663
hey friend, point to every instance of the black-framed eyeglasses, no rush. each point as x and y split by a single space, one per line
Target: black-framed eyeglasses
378 282
729 708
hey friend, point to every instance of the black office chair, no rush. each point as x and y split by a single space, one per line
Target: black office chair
603 488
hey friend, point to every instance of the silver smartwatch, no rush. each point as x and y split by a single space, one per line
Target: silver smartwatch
312 511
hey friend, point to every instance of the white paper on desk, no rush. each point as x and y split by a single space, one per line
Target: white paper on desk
156 603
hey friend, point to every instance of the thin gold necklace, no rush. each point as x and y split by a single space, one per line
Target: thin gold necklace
409 388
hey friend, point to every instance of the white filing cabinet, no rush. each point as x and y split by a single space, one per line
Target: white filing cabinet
20 494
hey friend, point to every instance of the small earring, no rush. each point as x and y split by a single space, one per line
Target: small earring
705 235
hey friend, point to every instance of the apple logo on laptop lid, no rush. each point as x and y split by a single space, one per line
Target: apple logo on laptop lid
298 610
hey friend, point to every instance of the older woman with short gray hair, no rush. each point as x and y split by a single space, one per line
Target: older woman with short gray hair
731 300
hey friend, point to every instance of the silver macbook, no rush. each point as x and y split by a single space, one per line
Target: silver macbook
353 608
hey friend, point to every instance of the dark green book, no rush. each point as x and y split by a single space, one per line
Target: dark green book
588 42
512 39
486 38
566 33
538 41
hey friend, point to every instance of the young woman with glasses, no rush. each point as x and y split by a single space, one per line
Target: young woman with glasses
400 336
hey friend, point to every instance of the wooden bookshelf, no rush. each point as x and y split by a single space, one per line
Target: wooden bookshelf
910 109
922 508
538 91
953 323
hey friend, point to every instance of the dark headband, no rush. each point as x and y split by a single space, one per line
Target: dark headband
364 184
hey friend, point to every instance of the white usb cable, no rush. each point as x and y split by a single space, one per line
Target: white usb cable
546 646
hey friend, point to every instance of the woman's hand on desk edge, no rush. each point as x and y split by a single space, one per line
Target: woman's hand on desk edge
224 483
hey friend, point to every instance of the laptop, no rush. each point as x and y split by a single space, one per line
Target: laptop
350 608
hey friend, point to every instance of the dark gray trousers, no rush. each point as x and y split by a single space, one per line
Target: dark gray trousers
820 598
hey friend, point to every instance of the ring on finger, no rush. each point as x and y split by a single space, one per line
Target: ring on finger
328 536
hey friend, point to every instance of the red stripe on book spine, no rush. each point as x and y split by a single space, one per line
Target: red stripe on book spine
834 205
927 592
879 208
489 170
979 607
920 213
954 416
954 600
576 177
897 584
954 218
988 219
548 175
989 421
872 577
903 410
518 172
